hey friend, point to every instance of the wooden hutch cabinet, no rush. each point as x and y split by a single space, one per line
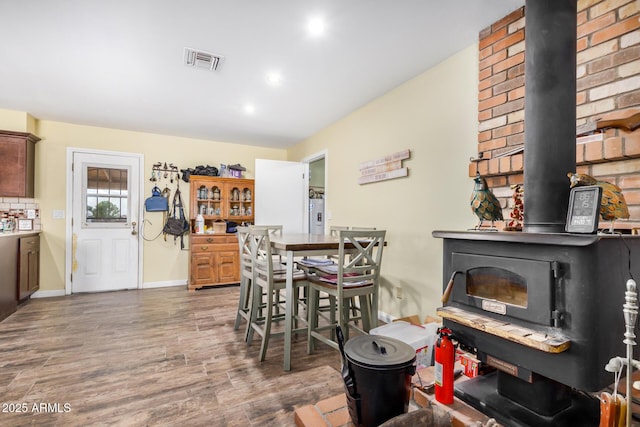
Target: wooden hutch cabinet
214 256
17 162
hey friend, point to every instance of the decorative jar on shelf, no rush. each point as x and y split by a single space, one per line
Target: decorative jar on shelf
199 226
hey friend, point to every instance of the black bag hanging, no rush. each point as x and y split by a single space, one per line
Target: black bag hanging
177 224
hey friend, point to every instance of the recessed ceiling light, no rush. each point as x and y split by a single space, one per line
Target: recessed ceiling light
249 109
274 78
316 26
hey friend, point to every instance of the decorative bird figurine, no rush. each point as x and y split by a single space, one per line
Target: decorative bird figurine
483 203
613 205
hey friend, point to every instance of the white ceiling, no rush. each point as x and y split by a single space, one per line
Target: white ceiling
119 63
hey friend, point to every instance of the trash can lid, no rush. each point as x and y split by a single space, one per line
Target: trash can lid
378 351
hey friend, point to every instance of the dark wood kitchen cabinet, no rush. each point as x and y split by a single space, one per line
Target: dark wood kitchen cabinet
29 266
17 162
9 275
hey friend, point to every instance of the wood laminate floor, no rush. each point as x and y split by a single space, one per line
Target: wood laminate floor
153 357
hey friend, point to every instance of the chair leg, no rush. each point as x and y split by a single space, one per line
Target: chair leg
296 298
266 331
332 315
312 317
374 310
343 316
302 299
354 309
278 302
365 312
243 301
254 305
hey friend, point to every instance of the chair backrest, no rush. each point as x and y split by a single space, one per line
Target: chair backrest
362 262
261 255
335 229
363 228
273 229
245 251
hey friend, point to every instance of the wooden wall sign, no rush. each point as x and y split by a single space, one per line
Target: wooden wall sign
387 167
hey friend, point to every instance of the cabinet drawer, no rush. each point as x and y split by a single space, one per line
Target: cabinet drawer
214 245
29 243
213 239
203 247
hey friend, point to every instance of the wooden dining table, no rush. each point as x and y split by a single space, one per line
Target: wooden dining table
296 245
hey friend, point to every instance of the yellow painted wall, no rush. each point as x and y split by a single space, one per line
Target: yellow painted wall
163 261
17 121
435 116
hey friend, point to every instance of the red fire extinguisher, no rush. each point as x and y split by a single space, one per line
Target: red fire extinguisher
444 361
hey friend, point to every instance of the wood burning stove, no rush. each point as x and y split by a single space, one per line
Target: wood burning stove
544 309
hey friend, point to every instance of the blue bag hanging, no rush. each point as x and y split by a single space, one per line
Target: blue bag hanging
156 203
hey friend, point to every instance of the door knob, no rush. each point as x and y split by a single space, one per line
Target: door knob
134 230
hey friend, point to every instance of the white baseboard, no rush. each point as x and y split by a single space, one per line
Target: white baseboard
48 294
386 318
164 284
148 285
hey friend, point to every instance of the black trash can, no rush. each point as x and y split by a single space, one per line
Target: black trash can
378 384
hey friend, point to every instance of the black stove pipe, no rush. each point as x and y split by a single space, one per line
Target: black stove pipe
550 112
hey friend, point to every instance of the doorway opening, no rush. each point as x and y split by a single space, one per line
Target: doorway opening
317 217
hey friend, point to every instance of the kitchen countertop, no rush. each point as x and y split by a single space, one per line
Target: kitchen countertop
20 234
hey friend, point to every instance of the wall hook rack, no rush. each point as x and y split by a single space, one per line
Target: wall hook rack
162 170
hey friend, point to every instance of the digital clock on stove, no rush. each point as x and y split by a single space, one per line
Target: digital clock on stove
584 209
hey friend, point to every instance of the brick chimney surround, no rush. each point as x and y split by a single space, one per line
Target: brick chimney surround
608 85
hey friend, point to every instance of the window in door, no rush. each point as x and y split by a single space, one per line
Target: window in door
107 195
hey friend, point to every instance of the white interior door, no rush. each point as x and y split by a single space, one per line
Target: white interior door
105 222
281 192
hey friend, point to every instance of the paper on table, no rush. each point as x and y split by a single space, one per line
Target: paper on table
333 278
313 262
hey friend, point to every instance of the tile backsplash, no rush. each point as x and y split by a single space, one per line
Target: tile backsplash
18 208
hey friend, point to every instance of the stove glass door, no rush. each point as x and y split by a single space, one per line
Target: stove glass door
513 287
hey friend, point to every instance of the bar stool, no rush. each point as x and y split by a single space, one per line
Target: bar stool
246 276
357 274
355 309
246 271
267 285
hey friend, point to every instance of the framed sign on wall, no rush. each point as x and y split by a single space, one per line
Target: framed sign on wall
25 224
584 209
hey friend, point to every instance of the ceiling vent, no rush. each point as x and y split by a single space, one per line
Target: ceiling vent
200 59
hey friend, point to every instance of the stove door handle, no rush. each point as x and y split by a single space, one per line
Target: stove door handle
449 288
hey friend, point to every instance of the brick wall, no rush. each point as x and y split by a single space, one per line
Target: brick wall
608 83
